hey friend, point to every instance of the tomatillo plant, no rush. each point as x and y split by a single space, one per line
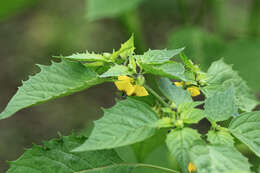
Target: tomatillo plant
163 90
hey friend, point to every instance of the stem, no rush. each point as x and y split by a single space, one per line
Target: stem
157 167
132 24
157 96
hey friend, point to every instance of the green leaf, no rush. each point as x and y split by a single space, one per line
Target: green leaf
191 115
218 159
171 70
98 9
58 80
127 48
117 70
223 76
179 142
128 122
173 93
145 148
220 137
84 57
221 106
246 127
55 157
158 56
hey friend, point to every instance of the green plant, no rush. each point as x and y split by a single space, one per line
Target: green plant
156 110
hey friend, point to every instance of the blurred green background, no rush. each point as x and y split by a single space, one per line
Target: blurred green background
31 31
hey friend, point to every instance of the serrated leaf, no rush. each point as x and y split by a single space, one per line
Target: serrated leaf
58 80
98 9
117 70
128 122
222 76
171 70
246 127
220 137
55 157
173 93
218 159
126 49
221 106
84 57
159 56
179 142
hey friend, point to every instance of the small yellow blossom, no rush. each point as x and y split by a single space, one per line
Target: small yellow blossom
178 84
124 83
191 167
194 91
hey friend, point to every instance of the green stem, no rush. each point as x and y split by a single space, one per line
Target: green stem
157 167
254 21
157 96
132 24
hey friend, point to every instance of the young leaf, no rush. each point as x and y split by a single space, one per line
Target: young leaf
179 142
173 93
159 56
126 49
55 156
84 57
117 70
128 122
191 115
173 70
220 137
218 159
223 76
221 106
98 9
58 80
246 127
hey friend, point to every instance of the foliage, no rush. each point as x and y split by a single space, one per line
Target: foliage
152 102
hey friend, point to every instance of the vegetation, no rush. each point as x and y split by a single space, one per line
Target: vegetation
163 95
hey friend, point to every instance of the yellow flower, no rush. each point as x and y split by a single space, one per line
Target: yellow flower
178 84
124 83
191 167
194 91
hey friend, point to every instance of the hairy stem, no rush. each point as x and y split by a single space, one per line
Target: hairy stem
157 96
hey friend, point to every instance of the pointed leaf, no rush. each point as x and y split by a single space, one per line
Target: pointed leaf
173 93
218 159
179 142
84 57
159 56
117 70
221 106
222 75
58 80
128 122
220 137
55 157
246 127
